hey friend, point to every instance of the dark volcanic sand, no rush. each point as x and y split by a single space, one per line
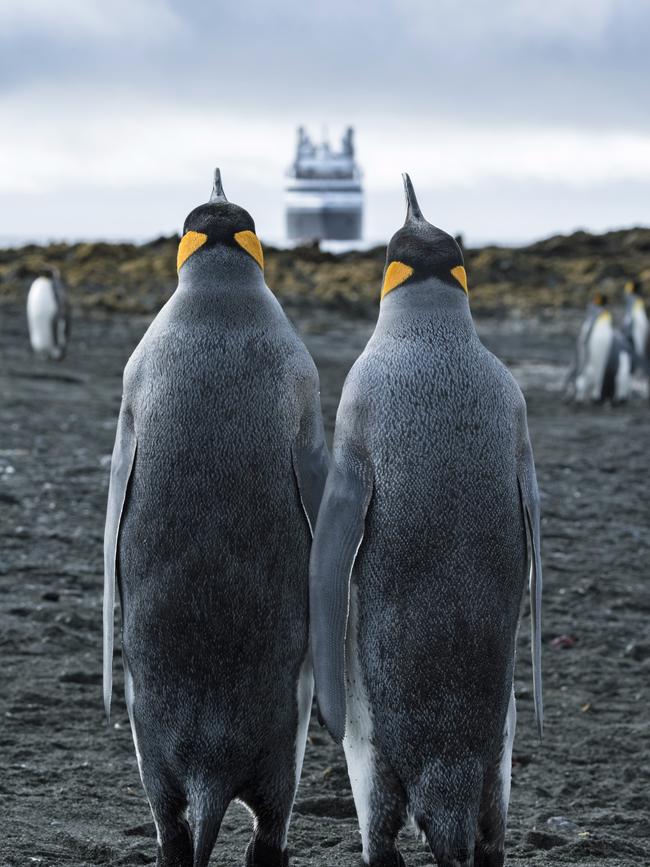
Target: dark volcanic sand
69 785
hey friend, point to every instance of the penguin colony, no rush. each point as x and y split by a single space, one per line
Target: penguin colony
425 528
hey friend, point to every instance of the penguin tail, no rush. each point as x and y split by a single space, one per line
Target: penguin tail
207 812
444 808
205 836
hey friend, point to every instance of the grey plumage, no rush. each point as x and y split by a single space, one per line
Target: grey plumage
428 529
219 440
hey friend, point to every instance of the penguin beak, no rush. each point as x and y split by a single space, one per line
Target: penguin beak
251 243
190 243
217 194
413 211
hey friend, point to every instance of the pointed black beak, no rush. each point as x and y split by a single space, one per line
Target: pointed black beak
413 211
217 194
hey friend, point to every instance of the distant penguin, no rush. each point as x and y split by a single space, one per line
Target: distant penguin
427 532
603 358
48 316
216 478
635 326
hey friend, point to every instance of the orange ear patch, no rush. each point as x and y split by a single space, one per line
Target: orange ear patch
459 274
190 243
251 243
396 274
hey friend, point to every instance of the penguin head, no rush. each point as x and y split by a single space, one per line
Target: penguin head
600 300
633 287
216 223
420 250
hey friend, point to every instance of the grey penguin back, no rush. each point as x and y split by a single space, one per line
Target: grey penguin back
429 520
216 477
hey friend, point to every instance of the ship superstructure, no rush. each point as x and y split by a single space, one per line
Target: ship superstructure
323 195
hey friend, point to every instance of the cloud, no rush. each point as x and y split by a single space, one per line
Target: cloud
121 141
69 21
579 61
150 95
510 23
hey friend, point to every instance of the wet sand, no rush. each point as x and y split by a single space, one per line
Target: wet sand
69 785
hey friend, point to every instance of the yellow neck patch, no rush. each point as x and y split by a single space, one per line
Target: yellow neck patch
605 316
396 274
459 274
190 243
251 243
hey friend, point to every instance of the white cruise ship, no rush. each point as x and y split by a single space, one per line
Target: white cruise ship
323 195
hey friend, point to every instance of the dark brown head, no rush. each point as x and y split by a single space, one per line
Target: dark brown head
420 250
219 223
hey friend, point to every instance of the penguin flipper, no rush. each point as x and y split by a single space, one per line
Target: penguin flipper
121 468
529 493
339 532
311 461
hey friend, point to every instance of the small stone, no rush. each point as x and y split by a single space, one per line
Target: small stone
561 825
563 642
83 677
522 691
544 841
50 596
637 650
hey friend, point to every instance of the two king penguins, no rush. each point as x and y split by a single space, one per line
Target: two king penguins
606 357
427 529
603 360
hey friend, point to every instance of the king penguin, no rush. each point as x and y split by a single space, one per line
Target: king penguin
48 315
428 528
603 360
636 327
216 478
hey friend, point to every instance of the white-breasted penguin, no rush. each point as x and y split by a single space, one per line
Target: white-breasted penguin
48 316
603 362
428 529
216 478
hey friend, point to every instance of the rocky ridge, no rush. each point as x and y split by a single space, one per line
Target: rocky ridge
559 272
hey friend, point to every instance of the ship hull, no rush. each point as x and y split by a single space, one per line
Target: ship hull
329 213
326 223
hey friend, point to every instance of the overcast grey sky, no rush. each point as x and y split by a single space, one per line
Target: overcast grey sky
516 119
